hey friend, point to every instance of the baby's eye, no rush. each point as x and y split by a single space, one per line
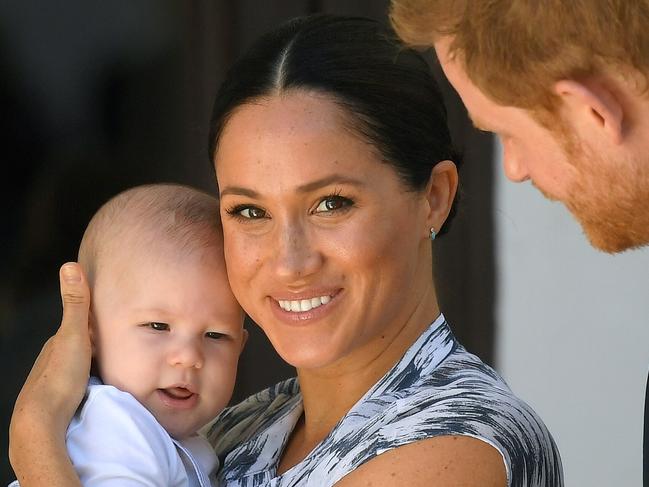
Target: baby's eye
247 212
158 326
214 335
333 203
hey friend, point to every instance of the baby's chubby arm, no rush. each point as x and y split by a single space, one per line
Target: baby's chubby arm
52 392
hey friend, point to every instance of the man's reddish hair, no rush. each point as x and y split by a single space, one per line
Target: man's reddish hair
516 50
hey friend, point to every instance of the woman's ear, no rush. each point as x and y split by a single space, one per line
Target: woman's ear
593 106
440 193
244 339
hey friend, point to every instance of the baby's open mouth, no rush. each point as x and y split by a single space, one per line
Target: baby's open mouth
177 392
178 397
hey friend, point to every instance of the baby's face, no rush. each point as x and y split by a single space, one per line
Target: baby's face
167 329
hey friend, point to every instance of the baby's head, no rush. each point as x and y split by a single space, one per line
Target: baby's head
164 324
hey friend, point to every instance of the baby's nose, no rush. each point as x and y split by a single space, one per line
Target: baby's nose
188 354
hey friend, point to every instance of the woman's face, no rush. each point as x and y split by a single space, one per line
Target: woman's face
326 248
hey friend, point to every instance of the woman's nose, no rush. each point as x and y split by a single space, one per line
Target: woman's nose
186 354
296 256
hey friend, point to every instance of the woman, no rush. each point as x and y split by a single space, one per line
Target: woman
335 170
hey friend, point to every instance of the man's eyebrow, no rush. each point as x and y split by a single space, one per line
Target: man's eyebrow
305 188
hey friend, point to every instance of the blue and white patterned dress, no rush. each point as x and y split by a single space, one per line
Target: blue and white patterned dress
437 388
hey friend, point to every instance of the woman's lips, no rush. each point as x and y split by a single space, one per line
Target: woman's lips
178 397
294 309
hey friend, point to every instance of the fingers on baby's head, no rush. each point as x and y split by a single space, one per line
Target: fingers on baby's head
154 217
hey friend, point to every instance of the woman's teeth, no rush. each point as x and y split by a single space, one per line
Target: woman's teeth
303 304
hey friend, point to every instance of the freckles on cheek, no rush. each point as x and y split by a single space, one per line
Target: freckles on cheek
245 255
365 248
243 262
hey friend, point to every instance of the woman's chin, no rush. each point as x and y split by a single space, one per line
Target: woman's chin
305 356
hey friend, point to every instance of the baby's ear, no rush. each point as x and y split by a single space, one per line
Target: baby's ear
91 330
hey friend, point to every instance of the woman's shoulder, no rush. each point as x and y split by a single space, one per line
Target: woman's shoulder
459 396
257 413
465 397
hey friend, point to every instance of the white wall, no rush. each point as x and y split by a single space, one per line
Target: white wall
572 334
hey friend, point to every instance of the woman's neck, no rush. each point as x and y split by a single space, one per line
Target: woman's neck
330 392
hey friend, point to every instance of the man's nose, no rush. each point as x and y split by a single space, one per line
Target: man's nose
514 166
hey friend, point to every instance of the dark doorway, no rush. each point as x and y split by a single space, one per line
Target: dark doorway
98 97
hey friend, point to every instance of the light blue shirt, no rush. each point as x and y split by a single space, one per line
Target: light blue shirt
114 441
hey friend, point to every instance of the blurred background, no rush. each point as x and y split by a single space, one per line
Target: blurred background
101 96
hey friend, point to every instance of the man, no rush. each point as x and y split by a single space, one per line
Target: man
565 86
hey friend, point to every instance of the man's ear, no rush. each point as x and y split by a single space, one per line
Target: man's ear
440 194
595 104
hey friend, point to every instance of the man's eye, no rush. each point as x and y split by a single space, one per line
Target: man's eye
214 335
333 203
158 326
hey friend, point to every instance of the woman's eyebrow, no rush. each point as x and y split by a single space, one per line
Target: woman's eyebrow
238 190
305 188
327 180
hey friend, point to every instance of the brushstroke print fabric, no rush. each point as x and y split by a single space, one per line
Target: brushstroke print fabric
436 389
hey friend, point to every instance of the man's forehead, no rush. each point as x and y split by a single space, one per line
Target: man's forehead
442 47
473 98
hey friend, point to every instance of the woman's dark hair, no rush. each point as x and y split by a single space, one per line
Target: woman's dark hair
386 88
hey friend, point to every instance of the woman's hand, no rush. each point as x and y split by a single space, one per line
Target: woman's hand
52 392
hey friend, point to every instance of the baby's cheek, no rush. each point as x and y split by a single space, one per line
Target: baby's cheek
120 365
222 380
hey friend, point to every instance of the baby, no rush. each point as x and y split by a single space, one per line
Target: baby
167 334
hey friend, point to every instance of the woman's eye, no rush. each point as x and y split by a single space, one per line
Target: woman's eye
333 203
214 335
248 212
158 326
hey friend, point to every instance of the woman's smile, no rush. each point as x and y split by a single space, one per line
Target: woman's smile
302 309
297 306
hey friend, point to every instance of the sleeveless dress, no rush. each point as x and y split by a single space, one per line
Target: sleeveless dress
437 388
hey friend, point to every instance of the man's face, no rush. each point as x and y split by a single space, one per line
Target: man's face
168 330
609 200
